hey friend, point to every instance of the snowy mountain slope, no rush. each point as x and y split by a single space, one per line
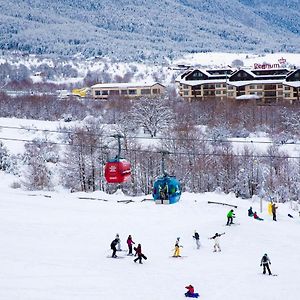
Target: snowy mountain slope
148 30
56 248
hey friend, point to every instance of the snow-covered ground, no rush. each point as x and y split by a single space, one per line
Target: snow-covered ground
56 248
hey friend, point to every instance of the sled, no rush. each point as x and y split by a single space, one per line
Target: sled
195 295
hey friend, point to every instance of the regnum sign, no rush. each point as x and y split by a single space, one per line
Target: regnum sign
281 61
266 66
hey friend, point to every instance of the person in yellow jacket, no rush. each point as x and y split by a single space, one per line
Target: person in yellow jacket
177 248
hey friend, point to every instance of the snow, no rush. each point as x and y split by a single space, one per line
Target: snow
56 248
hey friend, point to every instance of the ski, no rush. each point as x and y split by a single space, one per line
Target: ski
117 257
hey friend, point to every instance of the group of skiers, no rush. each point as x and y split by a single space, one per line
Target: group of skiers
265 261
116 246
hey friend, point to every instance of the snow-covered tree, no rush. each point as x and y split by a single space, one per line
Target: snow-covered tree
152 114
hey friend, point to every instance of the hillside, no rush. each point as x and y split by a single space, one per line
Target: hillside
148 30
56 248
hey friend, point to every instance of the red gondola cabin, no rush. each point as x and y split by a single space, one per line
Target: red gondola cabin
117 170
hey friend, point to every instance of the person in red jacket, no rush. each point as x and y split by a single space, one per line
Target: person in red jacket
191 292
139 254
256 217
130 242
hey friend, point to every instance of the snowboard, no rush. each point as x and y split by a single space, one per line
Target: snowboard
268 274
118 257
195 295
182 256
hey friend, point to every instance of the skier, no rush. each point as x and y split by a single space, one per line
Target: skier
119 242
265 261
139 254
216 239
191 292
230 217
113 247
250 212
130 242
197 238
177 248
274 208
256 217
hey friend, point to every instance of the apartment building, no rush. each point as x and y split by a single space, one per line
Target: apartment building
129 90
264 85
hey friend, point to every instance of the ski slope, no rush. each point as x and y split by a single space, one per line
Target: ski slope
56 248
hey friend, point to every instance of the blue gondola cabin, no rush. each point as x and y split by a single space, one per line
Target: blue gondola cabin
166 190
117 170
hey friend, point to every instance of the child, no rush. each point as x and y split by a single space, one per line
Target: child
177 248
256 217
140 255
191 293
250 212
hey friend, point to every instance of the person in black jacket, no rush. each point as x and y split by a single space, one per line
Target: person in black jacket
113 245
197 238
265 261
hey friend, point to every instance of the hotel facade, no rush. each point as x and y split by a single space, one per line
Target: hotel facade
128 90
263 85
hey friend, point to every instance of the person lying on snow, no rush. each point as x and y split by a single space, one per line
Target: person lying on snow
191 292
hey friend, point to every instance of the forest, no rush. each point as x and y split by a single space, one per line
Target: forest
198 136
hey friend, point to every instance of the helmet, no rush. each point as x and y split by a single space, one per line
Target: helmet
178 238
265 254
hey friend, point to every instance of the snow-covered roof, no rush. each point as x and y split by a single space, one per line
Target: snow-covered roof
291 83
124 85
199 82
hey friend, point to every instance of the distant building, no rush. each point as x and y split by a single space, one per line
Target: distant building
264 85
130 90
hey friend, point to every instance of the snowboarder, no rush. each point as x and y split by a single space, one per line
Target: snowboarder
113 247
274 208
119 242
265 261
216 239
130 242
139 254
230 217
191 292
256 217
197 239
250 212
177 248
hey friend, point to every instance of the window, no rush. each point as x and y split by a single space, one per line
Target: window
156 91
280 86
114 92
185 86
230 87
280 93
252 87
186 93
123 92
286 88
230 94
218 85
218 92
145 91
104 92
259 87
132 92
97 93
286 95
